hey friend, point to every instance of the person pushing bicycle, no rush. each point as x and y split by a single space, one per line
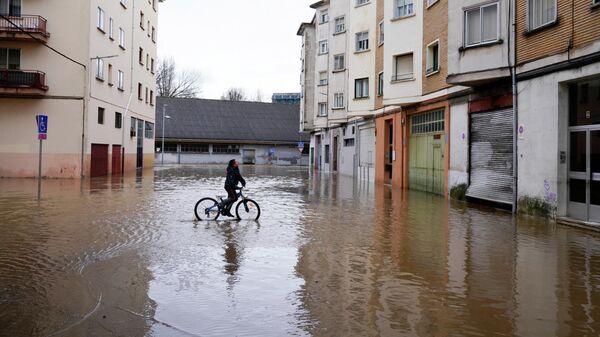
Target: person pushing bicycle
231 183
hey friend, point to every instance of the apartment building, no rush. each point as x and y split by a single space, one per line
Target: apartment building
93 75
499 98
558 74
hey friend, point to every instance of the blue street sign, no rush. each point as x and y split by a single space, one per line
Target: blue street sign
42 123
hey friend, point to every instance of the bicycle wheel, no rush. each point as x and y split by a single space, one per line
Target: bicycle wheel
207 209
247 210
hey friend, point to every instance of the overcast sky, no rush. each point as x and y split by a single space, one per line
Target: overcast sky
236 43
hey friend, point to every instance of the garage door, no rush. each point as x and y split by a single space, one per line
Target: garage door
426 152
99 160
492 156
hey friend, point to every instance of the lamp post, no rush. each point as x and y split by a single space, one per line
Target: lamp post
162 148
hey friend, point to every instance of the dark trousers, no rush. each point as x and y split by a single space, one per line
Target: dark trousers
231 198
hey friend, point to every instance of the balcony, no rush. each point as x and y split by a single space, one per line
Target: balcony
22 83
30 26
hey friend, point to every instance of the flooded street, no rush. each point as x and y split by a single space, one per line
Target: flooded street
329 257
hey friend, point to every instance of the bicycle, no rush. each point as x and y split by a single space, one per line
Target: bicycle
207 209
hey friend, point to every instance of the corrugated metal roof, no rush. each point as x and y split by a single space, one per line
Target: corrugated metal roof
206 119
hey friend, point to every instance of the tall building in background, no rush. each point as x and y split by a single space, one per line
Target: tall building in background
291 98
93 75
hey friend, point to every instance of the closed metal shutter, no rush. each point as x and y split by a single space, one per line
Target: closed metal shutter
492 156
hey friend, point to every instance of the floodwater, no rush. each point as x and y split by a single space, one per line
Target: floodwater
329 257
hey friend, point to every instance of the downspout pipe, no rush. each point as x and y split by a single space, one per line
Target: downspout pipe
515 98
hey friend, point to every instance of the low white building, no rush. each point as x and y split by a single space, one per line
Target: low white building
202 131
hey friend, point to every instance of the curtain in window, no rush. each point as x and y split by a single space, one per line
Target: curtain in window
489 25
541 12
404 7
404 67
473 21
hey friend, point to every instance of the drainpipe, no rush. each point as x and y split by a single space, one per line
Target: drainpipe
515 97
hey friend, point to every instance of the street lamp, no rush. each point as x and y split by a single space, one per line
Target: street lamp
162 148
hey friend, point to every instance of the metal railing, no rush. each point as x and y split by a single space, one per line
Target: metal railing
22 79
33 24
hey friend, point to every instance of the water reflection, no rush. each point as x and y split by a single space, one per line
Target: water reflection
330 257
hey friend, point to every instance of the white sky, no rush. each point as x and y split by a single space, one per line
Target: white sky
236 43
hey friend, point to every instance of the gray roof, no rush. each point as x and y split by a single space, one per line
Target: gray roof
219 120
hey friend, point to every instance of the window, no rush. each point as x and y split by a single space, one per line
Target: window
152 65
142 20
170 147
99 69
154 4
140 91
323 47
338 100
380 84
340 24
133 127
121 38
148 28
151 97
124 3
361 88
110 76
110 29
428 122
100 19
362 41
381 35
361 2
326 154
194 148
481 24
146 95
147 61
339 62
323 16
141 56
120 80
149 130
349 142
226 148
10 58
541 13
433 58
118 120
322 109
153 35
403 8
100 115
322 78
403 67
10 7
431 2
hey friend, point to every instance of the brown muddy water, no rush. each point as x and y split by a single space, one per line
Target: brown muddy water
329 257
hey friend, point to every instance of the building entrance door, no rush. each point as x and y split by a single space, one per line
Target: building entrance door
584 173
140 144
99 160
335 154
389 151
249 156
426 152
116 159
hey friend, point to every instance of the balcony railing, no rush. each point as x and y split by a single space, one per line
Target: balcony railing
33 24
22 79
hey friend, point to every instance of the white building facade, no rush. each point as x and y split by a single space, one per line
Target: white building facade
99 94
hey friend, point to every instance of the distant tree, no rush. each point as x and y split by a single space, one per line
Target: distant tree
258 97
234 94
173 83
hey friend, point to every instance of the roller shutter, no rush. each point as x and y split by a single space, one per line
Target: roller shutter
491 156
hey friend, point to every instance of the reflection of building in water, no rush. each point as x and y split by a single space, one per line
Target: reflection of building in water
411 264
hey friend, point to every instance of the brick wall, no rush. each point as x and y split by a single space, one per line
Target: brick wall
435 26
577 21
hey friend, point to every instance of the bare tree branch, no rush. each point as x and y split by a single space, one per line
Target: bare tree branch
173 83
234 94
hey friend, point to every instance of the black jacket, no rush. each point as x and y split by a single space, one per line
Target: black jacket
233 177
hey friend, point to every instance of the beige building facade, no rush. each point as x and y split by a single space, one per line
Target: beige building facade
92 75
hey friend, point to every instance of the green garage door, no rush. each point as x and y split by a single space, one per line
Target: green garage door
426 152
